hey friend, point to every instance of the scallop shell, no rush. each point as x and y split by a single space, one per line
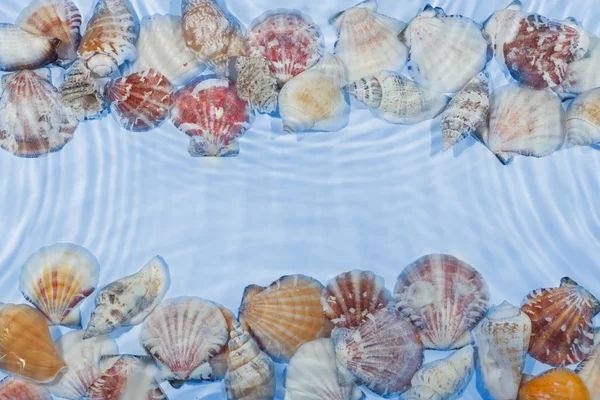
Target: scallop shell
128 301
397 99
255 83
58 19
444 379
583 75
17 389
20 49
57 278
556 384
467 111
589 369
314 99
26 348
502 340
350 298
288 39
83 94
109 39
368 41
182 334
285 315
444 297
211 113
384 352
583 119
219 364
561 323
34 122
161 46
445 51
312 374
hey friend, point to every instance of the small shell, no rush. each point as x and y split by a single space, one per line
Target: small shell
444 297
256 84
561 323
128 301
285 315
182 334
444 379
109 39
502 340
26 348
211 113
312 374
17 389
467 111
349 298
20 49
589 369
556 384
313 100
397 99
58 19
289 40
82 93
384 352
583 119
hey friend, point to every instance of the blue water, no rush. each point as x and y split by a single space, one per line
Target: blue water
373 196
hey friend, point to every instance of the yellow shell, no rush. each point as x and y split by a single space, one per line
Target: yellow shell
556 384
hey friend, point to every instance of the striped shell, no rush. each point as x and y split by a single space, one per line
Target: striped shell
17 389
556 384
20 49
589 369
583 119
256 84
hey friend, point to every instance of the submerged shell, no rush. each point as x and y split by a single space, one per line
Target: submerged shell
20 49
502 340
219 364
17 389
384 352
368 41
109 39
211 113
397 99
312 374
589 369
561 323
349 298
82 93
285 315
288 39
444 297
583 119
583 75
58 19
26 348
556 384
255 83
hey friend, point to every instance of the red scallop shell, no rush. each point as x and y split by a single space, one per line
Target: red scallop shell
17 389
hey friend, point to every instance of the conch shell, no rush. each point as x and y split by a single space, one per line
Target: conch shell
583 119
83 94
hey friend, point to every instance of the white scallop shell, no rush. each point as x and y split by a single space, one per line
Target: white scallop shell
20 49
502 27
583 119
583 75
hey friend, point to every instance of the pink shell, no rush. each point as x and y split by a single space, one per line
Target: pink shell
16 389
444 298
289 39
384 353
211 113
140 101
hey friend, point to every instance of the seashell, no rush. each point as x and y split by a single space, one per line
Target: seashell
17 389
444 379
561 323
182 334
556 384
57 278
502 340
211 113
314 99
212 33
219 364
583 75
34 121
58 19
583 119
109 39
445 51
397 99
128 301
285 315
251 375
312 374
467 111
350 298
589 369
384 352
82 358
255 83
161 46
82 93
20 49
444 298
26 348
368 41
288 39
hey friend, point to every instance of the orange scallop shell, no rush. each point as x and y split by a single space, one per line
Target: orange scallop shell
556 384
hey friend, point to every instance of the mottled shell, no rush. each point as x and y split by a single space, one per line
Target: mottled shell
589 369
583 75
561 323
312 374
83 94
285 315
556 384
384 352
349 298
17 389
256 84
583 119
20 49
58 19
444 298
288 39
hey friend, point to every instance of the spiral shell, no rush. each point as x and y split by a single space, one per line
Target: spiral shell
556 384
589 369
219 364
83 94
17 389
256 84
583 119
20 49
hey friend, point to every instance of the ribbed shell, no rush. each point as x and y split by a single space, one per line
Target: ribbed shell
83 94
256 84
285 315
561 323
583 119
556 384
20 49
444 298
17 389
589 369
219 364
350 298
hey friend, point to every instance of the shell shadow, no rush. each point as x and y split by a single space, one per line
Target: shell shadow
436 137
463 145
